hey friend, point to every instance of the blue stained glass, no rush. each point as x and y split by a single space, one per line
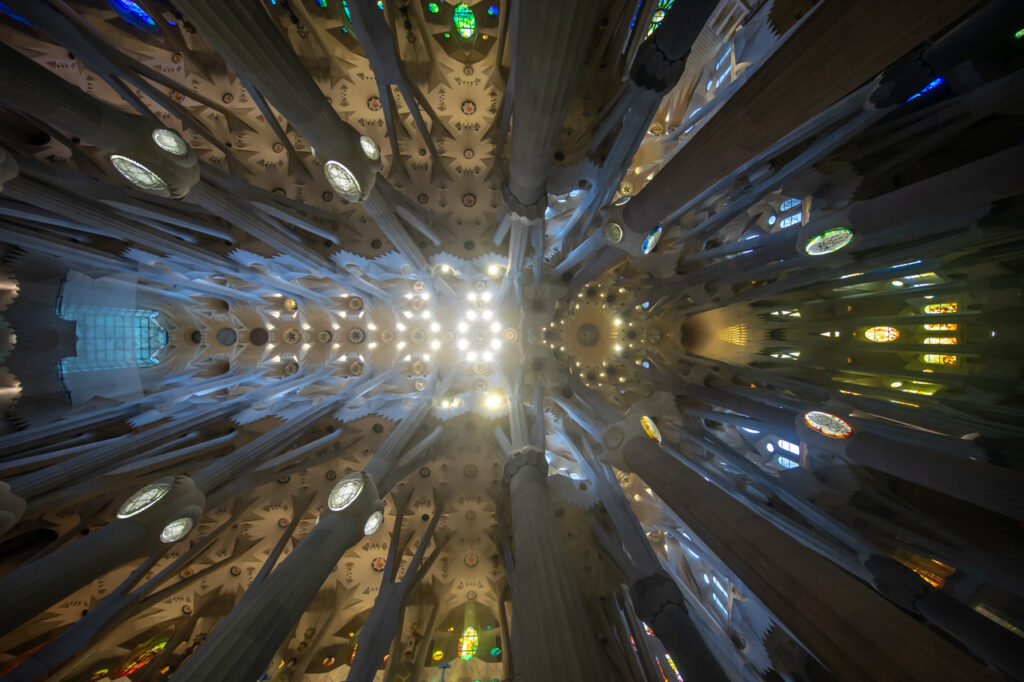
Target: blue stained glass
928 88
788 204
723 58
791 220
492 10
112 338
132 12
785 462
7 10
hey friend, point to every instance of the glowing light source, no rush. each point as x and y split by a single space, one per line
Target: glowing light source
144 498
373 523
651 240
170 141
469 642
464 20
828 424
829 241
137 174
177 529
369 147
493 401
345 492
881 334
342 181
651 429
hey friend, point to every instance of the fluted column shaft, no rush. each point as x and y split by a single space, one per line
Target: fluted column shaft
840 46
853 630
547 69
989 486
553 628
242 645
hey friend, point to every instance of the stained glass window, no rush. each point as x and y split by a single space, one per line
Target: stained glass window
433 7
829 241
928 88
345 492
941 308
936 359
464 20
942 327
659 16
176 530
140 658
791 220
651 240
132 13
170 141
492 10
940 341
828 424
881 334
786 462
469 641
789 446
672 664
113 338
788 204
650 428
342 180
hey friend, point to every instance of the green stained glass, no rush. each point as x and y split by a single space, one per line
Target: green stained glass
465 21
659 15
348 13
432 6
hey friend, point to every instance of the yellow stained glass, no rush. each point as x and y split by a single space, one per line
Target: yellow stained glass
650 428
941 308
881 334
946 327
940 341
936 359
469 641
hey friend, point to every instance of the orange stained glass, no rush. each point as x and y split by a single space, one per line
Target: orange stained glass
936 359
881 334
948 327
941 308
940 341
650 428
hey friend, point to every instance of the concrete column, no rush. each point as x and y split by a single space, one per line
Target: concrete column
850 628
553 626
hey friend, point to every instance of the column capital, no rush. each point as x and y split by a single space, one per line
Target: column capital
652 593
524 457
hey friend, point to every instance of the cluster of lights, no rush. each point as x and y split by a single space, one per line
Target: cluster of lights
479 332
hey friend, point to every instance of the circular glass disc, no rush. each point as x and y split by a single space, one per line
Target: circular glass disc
345 491
370 148
170 141
829 241
651 429
342 180
373 523
176 529
651 240
143 499
137 174
828 424
613 233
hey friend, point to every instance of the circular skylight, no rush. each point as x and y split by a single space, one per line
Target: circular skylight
829 241
342 181
170 141
176 529
345 492
828 424
373 523
144 498
370 148
137 174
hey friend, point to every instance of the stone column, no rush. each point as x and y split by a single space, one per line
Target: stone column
35 586
992 487
547 67
241 647
850 628
553 626
840 46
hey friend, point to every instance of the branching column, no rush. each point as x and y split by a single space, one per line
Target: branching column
853 630
555 637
